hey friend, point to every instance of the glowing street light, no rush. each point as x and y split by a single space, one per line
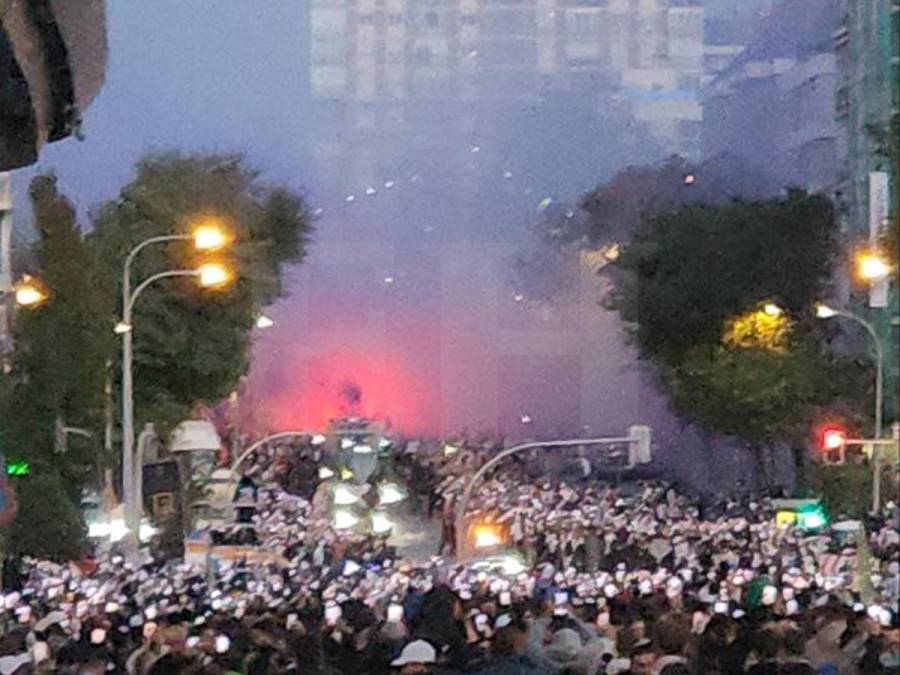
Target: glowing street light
872 267
28 293
209 235
213 275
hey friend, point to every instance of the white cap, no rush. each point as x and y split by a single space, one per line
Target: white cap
418 651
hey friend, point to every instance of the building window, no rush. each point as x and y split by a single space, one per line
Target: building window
423 56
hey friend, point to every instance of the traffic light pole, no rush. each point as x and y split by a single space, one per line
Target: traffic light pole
460 524
876 444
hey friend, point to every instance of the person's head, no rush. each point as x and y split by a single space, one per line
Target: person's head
643 657
671 634
416 657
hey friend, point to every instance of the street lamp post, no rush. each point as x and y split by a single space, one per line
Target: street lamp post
826 312
206 237
125 328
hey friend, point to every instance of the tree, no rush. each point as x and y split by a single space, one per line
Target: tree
49 524
690 270
62 345
704 283
192 346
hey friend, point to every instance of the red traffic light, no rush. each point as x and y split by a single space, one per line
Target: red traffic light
834 439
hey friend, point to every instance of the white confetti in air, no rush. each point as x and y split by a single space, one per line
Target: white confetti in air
526 419
370 191
429 228
414 178
545 203
319 211
507 174
476 148
389 280
389 184
570 214
349 198
518 297
474 52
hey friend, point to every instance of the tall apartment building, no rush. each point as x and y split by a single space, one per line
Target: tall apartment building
867 46
772 105
379 67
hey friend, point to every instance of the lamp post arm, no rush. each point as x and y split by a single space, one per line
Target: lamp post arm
473 482
149 280
147 242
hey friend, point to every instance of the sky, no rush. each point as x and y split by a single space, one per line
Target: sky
407 296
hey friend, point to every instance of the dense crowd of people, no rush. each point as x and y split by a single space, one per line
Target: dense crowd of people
600 579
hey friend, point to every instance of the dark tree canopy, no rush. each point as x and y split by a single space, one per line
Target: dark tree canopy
691 269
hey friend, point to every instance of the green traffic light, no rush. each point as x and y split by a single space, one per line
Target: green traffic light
814 519
18 468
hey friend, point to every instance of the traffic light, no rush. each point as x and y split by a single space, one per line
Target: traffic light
18 468
832 443
812 520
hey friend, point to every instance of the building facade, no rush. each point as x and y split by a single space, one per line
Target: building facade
867 46
772 105
379 68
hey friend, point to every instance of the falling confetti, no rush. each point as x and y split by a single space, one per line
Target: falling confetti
518 297
570 214
319 211
389 280
690 179
388 184
526 419
545 203
428 228
476 148
370 191
350 198
507 174
473 53
414 178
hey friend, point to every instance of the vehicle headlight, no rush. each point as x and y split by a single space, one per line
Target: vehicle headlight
381 523
344 496
389 493
344 520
